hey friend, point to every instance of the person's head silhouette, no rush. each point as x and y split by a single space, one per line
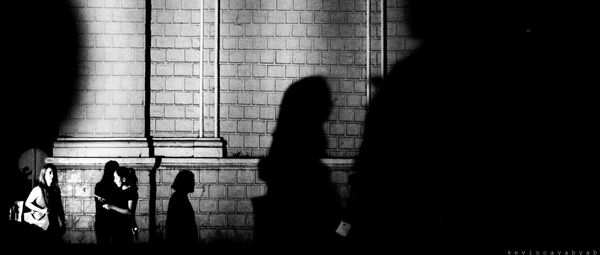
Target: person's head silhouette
305 107
184 182
109 169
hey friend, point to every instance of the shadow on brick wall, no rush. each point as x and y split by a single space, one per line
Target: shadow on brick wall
41 51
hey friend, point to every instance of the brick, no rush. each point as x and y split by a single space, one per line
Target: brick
173 4
252 56
74 206
236 141
291 71
338 18
276 43
283 57
267 112
259 71
259 17
330 31
306 18
267 85
275 71
282 85
313 58
228 126
314 5
120 126
244 126
346 114
244 71
244 206
227 206
183 69
313 30
251 112
217 191
251 85
322 18
244 98
284 5
227 176
283 30
274 99
238 220
265 141
208 205
258 99
245 176
329 58
337 128
236 191
207 176
251 141
320 44
304 43
245 44
183 98
83 222
228 70
174 83
268 4
346 143
236 112
255 191
251 30
208 235
299 30
259 43
252 4
354 129
82 191
184 125
267 57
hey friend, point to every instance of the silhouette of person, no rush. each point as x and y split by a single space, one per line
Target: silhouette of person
45 200
103 192
181 219
482 130
300 207
122 206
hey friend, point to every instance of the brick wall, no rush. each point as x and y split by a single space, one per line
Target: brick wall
110 95
221 199
265 45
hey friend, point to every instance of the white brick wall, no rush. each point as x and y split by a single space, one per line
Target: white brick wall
265 46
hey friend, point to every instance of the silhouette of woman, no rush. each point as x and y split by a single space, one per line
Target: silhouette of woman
301 203
181 220
122 206
103 192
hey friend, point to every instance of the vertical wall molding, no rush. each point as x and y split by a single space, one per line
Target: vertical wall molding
201 92
368 38
383 38
217 38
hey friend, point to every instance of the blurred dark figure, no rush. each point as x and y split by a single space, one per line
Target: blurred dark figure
181 220
103 193
300 207
481 140
42 52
